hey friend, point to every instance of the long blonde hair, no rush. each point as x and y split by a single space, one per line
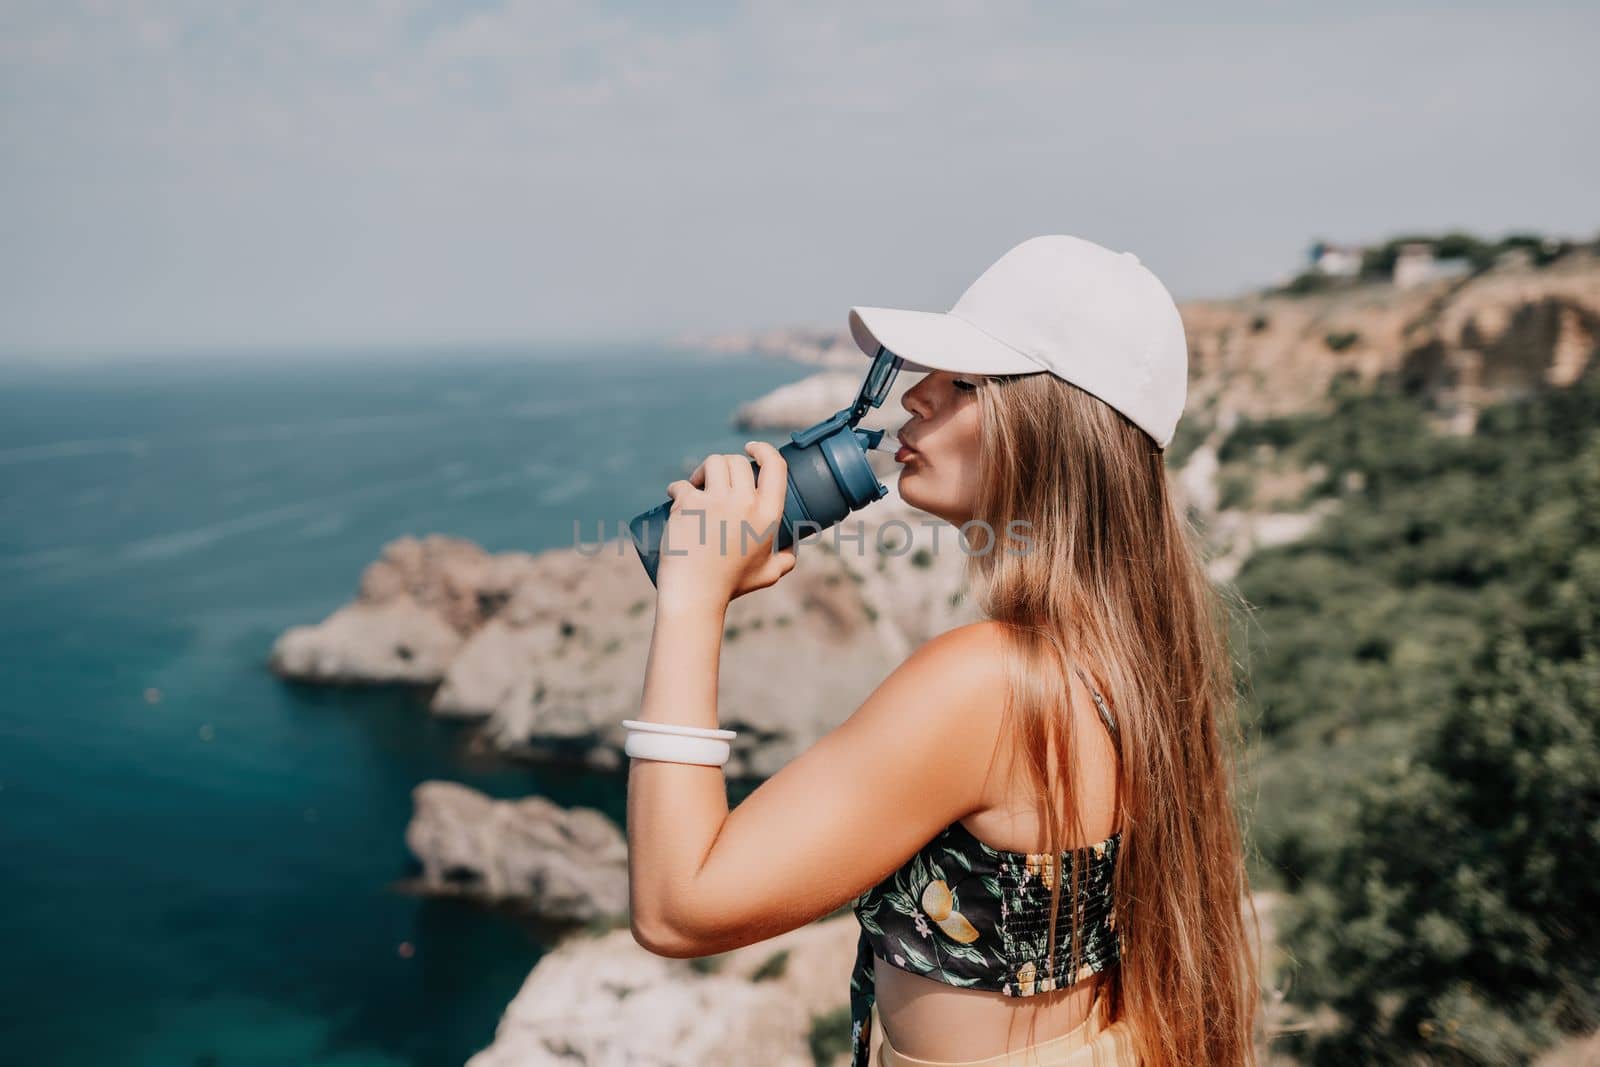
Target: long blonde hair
1112 584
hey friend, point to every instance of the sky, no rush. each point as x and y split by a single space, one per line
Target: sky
212 175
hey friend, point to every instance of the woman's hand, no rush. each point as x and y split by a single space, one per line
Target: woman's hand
722 527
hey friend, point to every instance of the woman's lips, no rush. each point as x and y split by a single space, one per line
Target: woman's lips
904 454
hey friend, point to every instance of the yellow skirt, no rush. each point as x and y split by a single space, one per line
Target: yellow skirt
1091 1044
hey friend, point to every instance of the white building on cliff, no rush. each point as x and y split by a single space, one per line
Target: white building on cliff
1336 261
1415 264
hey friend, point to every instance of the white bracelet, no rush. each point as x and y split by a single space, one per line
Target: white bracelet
676 748
674 728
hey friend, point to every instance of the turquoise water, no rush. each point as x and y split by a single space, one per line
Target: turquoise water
205 879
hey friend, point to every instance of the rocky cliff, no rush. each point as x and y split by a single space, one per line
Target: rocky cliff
566 865
604 1000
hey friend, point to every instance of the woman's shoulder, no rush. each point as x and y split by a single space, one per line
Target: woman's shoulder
957 681
982 636
950 681
947 676
968 659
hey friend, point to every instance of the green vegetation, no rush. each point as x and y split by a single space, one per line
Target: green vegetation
1377 262
1454 918
1308 282
830 1036
1190 434
773 966
706 964
1481 254
1422 693
1235 488
601 925
1340 340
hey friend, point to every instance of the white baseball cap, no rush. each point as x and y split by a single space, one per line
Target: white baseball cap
1093 317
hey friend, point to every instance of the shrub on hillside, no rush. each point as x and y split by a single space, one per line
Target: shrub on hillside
1458 920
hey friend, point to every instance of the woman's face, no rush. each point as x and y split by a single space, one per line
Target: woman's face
939 445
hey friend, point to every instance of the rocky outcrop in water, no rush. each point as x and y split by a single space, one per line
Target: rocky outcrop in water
796 405
417 605
546 652
565 864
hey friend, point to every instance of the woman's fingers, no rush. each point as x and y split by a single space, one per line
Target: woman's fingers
716 473
741 475
773 484
775 567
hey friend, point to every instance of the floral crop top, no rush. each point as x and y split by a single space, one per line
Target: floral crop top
962 912
965 913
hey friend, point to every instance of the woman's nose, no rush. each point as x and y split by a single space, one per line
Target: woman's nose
913 399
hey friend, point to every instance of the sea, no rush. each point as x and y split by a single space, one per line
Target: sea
198 860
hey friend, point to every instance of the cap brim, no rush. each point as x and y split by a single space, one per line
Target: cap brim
935 340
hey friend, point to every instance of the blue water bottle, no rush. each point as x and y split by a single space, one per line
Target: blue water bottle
829 476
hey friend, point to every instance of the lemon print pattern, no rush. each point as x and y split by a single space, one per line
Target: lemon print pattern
937 902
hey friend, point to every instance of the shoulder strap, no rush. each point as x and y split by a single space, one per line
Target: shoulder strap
1100 706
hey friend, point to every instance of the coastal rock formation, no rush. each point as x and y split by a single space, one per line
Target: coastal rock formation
810 400
1506 333
417 603
1233 534
547 651
606 1001
1461 342
788 407
565 864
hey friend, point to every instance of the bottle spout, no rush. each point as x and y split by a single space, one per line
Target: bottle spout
878 441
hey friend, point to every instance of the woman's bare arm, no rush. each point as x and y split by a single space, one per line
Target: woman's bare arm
845 813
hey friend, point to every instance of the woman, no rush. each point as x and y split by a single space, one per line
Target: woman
1032 815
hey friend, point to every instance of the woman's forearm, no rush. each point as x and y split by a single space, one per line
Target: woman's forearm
675 810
